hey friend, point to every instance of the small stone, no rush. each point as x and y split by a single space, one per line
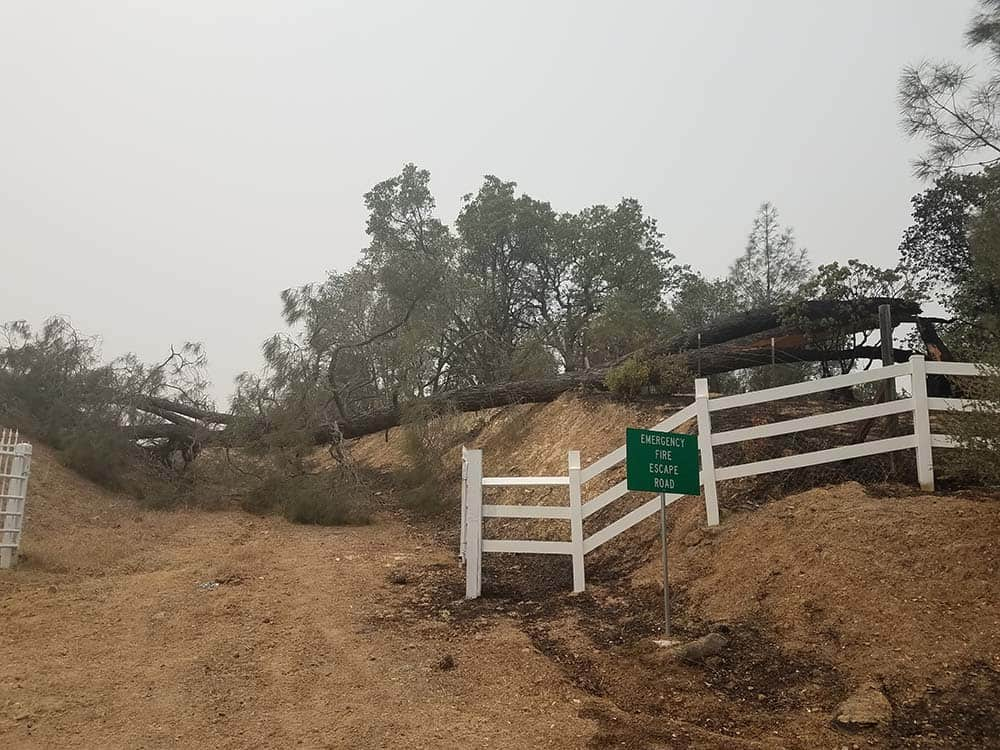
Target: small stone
445 663
398 577
665 642
693 538
698 650
52 589
865 707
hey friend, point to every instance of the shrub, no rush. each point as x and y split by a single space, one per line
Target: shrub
309 499
628 379
100 455
673 376
978 431
323 509
666 374
428 434
157 487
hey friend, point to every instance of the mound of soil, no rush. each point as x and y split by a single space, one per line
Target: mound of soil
819 592
902 589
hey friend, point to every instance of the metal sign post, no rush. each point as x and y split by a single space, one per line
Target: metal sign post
666 586
662 462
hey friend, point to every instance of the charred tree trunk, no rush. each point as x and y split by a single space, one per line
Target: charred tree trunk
938 351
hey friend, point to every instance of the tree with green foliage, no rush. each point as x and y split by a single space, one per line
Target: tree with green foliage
938 250
772 268
698 301
956 115
942 103
374 334
589 286
617 272
854 284
936 245
503 237
770 271
984 283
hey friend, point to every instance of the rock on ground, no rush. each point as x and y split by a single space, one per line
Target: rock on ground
702 648
865 707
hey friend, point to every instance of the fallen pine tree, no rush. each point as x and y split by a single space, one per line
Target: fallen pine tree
735 343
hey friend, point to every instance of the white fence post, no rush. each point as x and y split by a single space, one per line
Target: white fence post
13 504
25 450
461 526
705 449
474 524
576 521
922 423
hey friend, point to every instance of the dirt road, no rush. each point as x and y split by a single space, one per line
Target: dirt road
129 628
154 630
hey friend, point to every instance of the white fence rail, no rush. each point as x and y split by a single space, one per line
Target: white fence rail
15 466
472 545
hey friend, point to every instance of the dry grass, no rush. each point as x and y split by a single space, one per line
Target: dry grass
108 526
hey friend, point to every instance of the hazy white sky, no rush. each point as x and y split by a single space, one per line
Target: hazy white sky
168 167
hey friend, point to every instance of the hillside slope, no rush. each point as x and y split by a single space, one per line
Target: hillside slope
128 627
821 591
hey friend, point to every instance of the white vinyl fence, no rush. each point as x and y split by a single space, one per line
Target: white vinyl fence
472 545
15 465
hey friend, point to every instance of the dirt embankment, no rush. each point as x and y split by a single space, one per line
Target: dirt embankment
819 593
129 628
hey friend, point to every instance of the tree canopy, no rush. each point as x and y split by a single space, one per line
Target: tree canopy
512 290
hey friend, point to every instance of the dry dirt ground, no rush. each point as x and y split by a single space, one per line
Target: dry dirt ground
115 635
138 629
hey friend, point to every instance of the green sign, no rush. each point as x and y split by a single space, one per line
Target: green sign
661 462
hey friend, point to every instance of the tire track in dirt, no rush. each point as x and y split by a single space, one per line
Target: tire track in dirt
279 653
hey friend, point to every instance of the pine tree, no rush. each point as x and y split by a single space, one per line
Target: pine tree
772 268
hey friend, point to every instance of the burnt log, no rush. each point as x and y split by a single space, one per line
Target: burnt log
938 351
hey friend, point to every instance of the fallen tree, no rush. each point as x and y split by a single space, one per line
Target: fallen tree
827 313
712 360
739 342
